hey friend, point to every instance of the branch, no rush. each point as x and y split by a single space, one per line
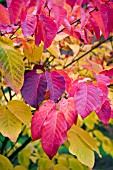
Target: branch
96 46
14 33
20 148
4 94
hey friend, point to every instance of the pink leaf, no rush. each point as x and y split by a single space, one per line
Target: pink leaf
59 14
34 88
68 108
104 113
15 10
88 98
67 79
29 25
102 79
56 84
46 30
104 90
4 16
95 27
53 132
39 118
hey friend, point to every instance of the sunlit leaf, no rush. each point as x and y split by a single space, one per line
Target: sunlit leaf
5 164
10 126
19 167
20 110
12 64
80 149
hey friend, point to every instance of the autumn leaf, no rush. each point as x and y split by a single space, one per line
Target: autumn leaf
12 64
5 164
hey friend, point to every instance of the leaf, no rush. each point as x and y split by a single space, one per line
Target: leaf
46 30
4 16
34 88
12 64
74 164
29 25
39 118
5 164
10 126
19 167
84 135
32 52
62 167
80 149
108 73
54 50
53 132
104 113
14 9
20 110
71 3
68 108
102 79
56 84
88 98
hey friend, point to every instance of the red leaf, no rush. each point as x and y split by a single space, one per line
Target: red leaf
53 132
34 88
68 108
88 98
108 73
56 84
95 27
29 25
4 16
46 30
104 113
39 118
71 3
104 89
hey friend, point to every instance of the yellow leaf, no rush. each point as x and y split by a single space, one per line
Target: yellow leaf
84 135
79 148
5 164
12 64
32 52
74 164
45 164
62 167
20 110
54 50
10 126
19 167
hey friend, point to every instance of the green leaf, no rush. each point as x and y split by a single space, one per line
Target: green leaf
80 148
45 164
20 110
5 164
84 135
10 126
62 167
12 64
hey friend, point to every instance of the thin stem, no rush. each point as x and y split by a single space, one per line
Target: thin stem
20 148
14 33
4 94
96 46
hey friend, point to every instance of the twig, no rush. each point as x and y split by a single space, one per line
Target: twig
100 43
14 33
20 148
4 94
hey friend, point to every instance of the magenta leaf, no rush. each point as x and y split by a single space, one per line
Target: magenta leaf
71 3
104 113
102 79
34 88
88 98
67 106
46 30
53 132
108 73
56 85
104 90
14 9
39 118
29 25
